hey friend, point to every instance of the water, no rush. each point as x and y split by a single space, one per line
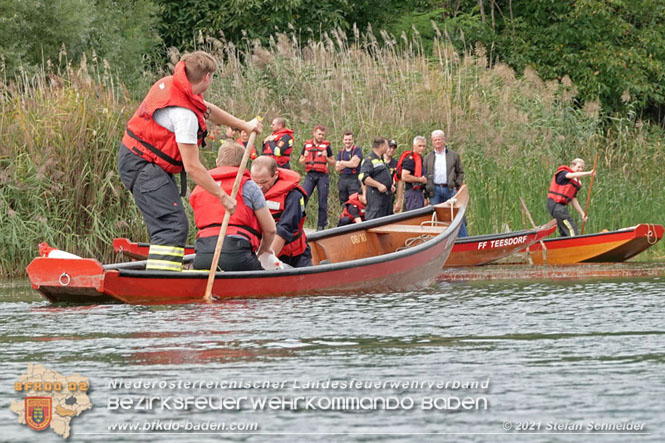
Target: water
555 354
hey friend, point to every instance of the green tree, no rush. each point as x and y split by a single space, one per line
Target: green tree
121 31
234 20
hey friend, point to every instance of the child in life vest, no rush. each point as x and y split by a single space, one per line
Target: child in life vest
563 191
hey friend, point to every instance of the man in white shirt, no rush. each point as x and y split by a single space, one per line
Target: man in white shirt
444 172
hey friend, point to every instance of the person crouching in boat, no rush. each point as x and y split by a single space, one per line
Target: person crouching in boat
354 210
563 189
251 227
285 199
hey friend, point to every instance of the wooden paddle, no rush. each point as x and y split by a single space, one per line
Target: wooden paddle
542 243
588 197
207 296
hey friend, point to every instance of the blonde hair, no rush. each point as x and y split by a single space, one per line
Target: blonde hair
230 154
577 161
198 64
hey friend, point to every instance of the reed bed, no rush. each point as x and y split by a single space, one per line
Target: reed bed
59 136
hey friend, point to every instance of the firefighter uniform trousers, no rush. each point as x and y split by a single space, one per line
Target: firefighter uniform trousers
157 197
320 181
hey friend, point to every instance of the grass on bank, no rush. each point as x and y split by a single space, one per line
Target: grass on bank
59 135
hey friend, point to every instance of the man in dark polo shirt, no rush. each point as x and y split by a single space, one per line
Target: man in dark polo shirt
375 175
348 166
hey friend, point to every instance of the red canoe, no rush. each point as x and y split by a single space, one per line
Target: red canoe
482 249
610 246
359 258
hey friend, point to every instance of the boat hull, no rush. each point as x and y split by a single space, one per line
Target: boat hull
483 249
612 246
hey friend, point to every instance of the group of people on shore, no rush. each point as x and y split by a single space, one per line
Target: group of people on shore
369 186
268 214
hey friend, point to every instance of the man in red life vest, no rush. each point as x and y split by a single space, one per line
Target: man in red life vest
348 166
251 227
410 166
563 189
285 199
279 144
316 156
354 210
162 139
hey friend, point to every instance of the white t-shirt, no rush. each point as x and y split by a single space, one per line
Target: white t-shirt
440 167
181 121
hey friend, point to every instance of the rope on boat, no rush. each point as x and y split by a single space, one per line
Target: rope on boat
651 234
414 241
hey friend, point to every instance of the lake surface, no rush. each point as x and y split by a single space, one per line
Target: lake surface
481 361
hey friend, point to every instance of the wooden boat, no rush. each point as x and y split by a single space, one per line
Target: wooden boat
468 251
482 249
360 258
610 246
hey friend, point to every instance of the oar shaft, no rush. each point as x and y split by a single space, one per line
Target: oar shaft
227 215
588 197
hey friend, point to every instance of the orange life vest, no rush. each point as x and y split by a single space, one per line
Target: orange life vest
353 201
284 151
316 156
417 159
144 137
287 181
252 153
564 194
209 212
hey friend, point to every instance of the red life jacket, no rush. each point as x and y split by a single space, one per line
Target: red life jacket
284 151
209 212
287 181
353 201
564 194
316 156
252 153
417 159
144 137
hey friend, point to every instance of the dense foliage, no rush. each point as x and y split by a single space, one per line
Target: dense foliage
52 33
614 50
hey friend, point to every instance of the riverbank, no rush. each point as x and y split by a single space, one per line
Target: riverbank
580 271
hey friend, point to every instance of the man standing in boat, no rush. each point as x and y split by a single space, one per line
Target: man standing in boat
390 161
279 144
161 139
444 172
410 166
316 156
563 190
251 227
285 199
348 166
379 187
